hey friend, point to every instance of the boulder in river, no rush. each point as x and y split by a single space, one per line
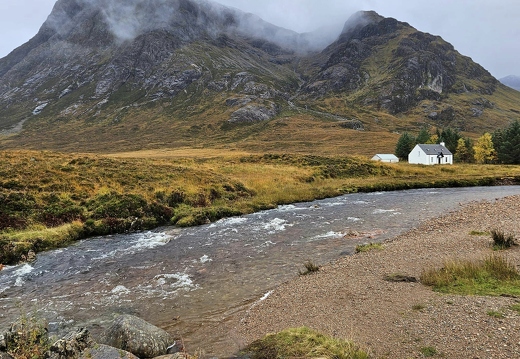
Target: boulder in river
137 336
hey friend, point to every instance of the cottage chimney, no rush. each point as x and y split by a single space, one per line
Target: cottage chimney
442 144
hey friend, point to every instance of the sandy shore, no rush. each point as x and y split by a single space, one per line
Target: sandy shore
350 299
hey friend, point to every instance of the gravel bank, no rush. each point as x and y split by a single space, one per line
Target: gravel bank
350 298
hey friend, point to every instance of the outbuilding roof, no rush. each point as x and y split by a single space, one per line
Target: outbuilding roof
435 149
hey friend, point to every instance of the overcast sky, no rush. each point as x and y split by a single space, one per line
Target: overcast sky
488 31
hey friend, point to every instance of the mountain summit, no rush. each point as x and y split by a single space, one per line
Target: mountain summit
116 75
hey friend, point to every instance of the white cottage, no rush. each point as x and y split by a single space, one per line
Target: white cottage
431 155
385 158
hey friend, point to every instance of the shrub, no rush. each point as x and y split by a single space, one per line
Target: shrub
118 206
60 212
501 240
186 215
176 198
28 338
10 252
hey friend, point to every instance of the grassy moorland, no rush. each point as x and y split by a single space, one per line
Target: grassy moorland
49 199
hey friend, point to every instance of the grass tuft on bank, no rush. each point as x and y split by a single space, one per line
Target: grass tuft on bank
302 343
492 276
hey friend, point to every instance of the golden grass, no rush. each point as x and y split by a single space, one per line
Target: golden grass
494 276
105 193
302 343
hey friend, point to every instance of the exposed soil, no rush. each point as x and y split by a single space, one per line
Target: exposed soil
351 299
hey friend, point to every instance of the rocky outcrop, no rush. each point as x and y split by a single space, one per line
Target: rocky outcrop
137 336
413 66
254 113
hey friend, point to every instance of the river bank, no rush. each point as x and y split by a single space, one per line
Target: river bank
351 298
51 200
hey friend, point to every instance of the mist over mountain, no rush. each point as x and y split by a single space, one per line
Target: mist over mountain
511 81
113 74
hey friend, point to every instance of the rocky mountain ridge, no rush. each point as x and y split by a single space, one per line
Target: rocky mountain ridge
195 69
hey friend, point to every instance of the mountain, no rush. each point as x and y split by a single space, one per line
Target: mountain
114 75
511 81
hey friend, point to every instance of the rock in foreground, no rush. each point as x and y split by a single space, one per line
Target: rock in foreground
138 337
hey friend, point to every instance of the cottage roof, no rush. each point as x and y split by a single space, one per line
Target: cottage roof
387 157
435 149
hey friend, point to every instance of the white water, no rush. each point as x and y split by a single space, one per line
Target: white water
190 281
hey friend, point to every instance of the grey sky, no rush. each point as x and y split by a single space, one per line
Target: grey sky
488 31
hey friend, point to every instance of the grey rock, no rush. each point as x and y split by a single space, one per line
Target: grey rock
238 101
137 336
253 113
178 355
100 351
71 346
176 347
476 112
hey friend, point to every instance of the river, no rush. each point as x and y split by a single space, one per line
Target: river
193 281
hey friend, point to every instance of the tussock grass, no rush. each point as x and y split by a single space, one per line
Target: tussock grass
418 307
428 352
310 268
492 276
495 314
515 307
303 343
360 248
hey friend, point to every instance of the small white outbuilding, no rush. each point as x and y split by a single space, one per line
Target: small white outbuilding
385 158
436 154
